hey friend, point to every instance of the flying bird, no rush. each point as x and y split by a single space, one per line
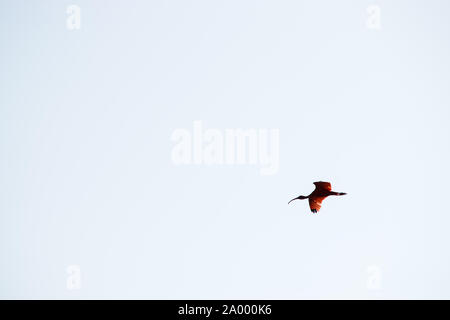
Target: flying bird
322 190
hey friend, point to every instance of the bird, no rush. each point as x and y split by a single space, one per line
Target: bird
322 190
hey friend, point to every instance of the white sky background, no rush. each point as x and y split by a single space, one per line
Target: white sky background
86 176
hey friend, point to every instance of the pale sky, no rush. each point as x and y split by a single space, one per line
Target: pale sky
87 177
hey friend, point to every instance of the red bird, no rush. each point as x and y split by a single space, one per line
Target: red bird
323 190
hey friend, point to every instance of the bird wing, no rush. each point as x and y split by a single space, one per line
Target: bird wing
315 203
323 185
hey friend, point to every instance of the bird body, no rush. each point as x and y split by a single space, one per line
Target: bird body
322 190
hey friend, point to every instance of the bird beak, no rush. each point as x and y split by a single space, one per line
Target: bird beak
292 200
